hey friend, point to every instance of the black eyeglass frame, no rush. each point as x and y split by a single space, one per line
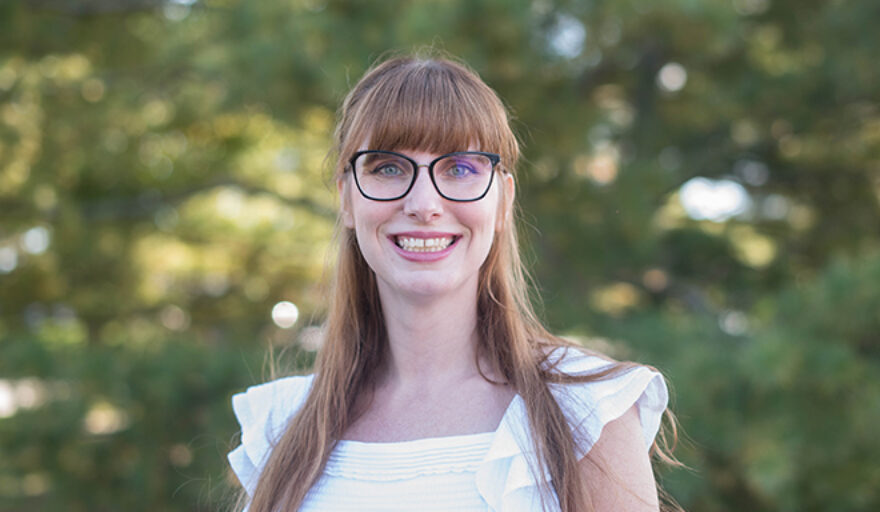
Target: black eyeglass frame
493 158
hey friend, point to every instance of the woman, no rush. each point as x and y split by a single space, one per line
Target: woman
436 387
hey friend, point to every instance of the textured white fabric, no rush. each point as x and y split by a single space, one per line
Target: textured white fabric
434 474
487 472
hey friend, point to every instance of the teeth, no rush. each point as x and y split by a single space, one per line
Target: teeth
423 244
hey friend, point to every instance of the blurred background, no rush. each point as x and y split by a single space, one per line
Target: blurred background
700 185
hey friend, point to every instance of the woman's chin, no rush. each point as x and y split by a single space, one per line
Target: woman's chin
428 287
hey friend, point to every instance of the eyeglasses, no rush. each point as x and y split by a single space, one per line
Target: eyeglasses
386 176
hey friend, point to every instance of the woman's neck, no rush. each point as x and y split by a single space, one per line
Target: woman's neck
432 340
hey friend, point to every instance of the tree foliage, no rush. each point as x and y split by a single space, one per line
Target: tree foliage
164 182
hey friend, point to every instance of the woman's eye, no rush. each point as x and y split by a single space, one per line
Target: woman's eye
388 170
460 170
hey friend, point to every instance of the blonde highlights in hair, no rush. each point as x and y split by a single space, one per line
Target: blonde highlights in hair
435 105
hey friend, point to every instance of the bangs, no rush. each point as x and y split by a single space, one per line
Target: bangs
433 108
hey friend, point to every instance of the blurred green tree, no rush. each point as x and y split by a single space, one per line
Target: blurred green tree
694 174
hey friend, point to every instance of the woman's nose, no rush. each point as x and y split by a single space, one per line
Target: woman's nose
423 202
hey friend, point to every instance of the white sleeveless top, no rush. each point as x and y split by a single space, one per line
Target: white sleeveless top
476 472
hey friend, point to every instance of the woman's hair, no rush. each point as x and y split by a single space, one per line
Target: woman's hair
435 105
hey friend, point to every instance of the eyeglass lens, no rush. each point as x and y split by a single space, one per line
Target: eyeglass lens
463 176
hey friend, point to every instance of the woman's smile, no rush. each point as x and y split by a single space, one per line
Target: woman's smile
423 244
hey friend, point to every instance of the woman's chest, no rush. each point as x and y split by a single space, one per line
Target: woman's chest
404 418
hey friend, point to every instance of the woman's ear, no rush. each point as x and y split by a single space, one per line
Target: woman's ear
344 202
508 192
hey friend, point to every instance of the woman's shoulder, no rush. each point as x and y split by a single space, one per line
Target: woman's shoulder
592 390
263 412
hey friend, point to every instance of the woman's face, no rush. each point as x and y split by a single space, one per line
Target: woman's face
423 244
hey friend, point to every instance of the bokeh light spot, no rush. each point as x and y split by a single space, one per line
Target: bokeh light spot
103 418
672 77
285 314
715 200
8 259
92 90
311 338
173 317
655 280
35 240
734 323
568 36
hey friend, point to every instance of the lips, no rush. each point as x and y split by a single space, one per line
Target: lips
424 245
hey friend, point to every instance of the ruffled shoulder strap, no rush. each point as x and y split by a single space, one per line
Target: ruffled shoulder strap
506 479
263 412
590 406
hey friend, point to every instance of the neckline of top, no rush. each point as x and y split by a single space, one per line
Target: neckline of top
452 440
425 443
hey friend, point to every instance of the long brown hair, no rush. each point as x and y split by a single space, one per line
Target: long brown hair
436 105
